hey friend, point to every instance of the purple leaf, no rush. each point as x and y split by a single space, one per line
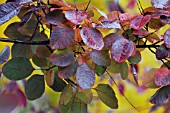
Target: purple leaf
85 76
19 1
167 38
4 54
162 52
61 37
165 19
108 24
122 49
62 57
161 95
8 10
161 3
111 38
76 17
101 58
92 38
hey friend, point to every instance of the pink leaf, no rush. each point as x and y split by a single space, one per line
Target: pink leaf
122 49
76 17
92 38
140 32
162 77
161 3
167 38
140 21
85 76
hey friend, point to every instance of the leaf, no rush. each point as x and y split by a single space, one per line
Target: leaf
19 1
76 17
122 49
8 10
100 70
4 54
61 37
162 77
85 76
85 96
124 70
165 19
167 38
92 38
101 58
43 51
148 79
111 38
55 17
49 77
114 67
17 68
135 59
134 72
78 106
155 23
35 87
59 84
20 50
140 32
62 57
101 12
107 95
162 52
69 71
39 61
139 21
161 3
66 108
66 95
161 95
109 25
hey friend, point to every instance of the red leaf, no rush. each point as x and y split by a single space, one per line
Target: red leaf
76 17
162 77
61 37
161 3
167 38
122 49
140 21
92 38
85 76
111 38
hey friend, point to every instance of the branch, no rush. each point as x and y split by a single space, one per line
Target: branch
25 42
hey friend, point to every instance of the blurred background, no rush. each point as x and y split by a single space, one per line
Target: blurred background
14 100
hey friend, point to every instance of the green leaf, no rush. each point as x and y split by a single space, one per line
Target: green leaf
78 106
100 70
35 87
100 57
136 58
59 84
17 68
66 95
66 108
39 61
107 95
85 96
114 67
124 70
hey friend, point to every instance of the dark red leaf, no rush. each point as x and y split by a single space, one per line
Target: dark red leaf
55 17
62 57
22 97
76 17
101 58
92 38
140 21
111 38
167 38
69 71
140 32
4 54
161 95
108 24
61 37
162 77
8 10
161 3
122 49
162 52
85 76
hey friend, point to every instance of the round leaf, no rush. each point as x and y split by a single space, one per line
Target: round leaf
92 38
136 58
4 54
162 52
85 76
61 37
85 96
167 38
107 95
17 68
34 87
100 57
62 57
161 3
